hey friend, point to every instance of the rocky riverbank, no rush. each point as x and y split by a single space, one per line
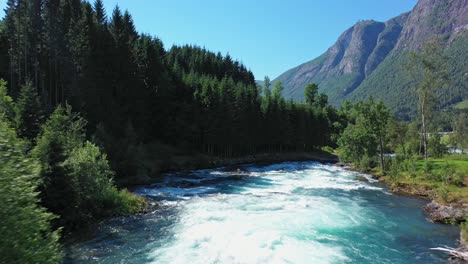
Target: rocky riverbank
450 213
446 214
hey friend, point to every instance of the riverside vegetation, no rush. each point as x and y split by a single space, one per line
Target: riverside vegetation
93 106
419 163
90 106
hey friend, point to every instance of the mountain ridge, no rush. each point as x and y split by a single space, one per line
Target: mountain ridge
363 50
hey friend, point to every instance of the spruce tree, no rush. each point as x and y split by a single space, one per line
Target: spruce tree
28 112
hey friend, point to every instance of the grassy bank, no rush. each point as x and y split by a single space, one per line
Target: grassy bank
442 179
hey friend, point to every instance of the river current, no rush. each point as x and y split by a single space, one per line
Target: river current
292 212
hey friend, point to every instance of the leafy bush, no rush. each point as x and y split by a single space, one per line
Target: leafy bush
366 163
94 193
443 192
122 202
394 170
427 167
457 178
77 178
436 148
25 230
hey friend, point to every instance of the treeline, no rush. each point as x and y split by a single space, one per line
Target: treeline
413 152
371 131
137 96
133 100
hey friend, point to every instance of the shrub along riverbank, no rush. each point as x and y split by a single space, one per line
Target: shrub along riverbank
52 180
418 164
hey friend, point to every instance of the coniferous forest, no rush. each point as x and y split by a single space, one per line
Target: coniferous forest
133 91
90 102
89 107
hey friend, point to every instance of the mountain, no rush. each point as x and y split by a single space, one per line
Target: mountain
369 58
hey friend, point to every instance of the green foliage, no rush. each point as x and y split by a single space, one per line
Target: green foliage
121 202
436 148
460 127
365 134
464 231
394 171
93 194
461 105
310 93
427 167
60 135
314 99
6 103
185 96
392 83
77 178
443 192
277 90
355 143
28 112
25 229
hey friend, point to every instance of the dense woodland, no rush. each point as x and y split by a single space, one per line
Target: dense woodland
135 93
88 101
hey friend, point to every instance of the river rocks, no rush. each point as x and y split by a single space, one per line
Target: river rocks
458 260
361 178
453 213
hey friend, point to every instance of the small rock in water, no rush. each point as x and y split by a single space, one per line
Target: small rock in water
361 178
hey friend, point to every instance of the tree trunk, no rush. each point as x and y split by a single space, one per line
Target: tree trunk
424 129
382 163
424 136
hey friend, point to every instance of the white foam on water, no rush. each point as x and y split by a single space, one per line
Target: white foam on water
302 212
267 225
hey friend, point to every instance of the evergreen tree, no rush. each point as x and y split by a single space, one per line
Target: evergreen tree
28 112
25 233
6 103
63 132
100 12
310 93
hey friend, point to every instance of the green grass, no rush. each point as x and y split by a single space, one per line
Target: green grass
464 232
440 166
455 165
461 105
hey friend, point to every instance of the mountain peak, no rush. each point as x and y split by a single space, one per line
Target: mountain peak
430 18
362 49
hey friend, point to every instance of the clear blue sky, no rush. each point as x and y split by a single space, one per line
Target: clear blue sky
269 37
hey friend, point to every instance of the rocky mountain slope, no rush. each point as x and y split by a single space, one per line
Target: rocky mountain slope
369 58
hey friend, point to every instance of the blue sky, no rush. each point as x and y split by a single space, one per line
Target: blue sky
269 37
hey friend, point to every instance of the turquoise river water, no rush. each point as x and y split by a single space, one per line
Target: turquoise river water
292 212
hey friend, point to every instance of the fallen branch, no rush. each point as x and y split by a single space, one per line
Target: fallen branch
453 252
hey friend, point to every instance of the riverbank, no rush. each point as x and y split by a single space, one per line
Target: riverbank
266 211
448 205
183 162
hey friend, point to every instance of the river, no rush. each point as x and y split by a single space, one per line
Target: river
292 212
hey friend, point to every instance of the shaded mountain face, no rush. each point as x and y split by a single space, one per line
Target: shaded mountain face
372 54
